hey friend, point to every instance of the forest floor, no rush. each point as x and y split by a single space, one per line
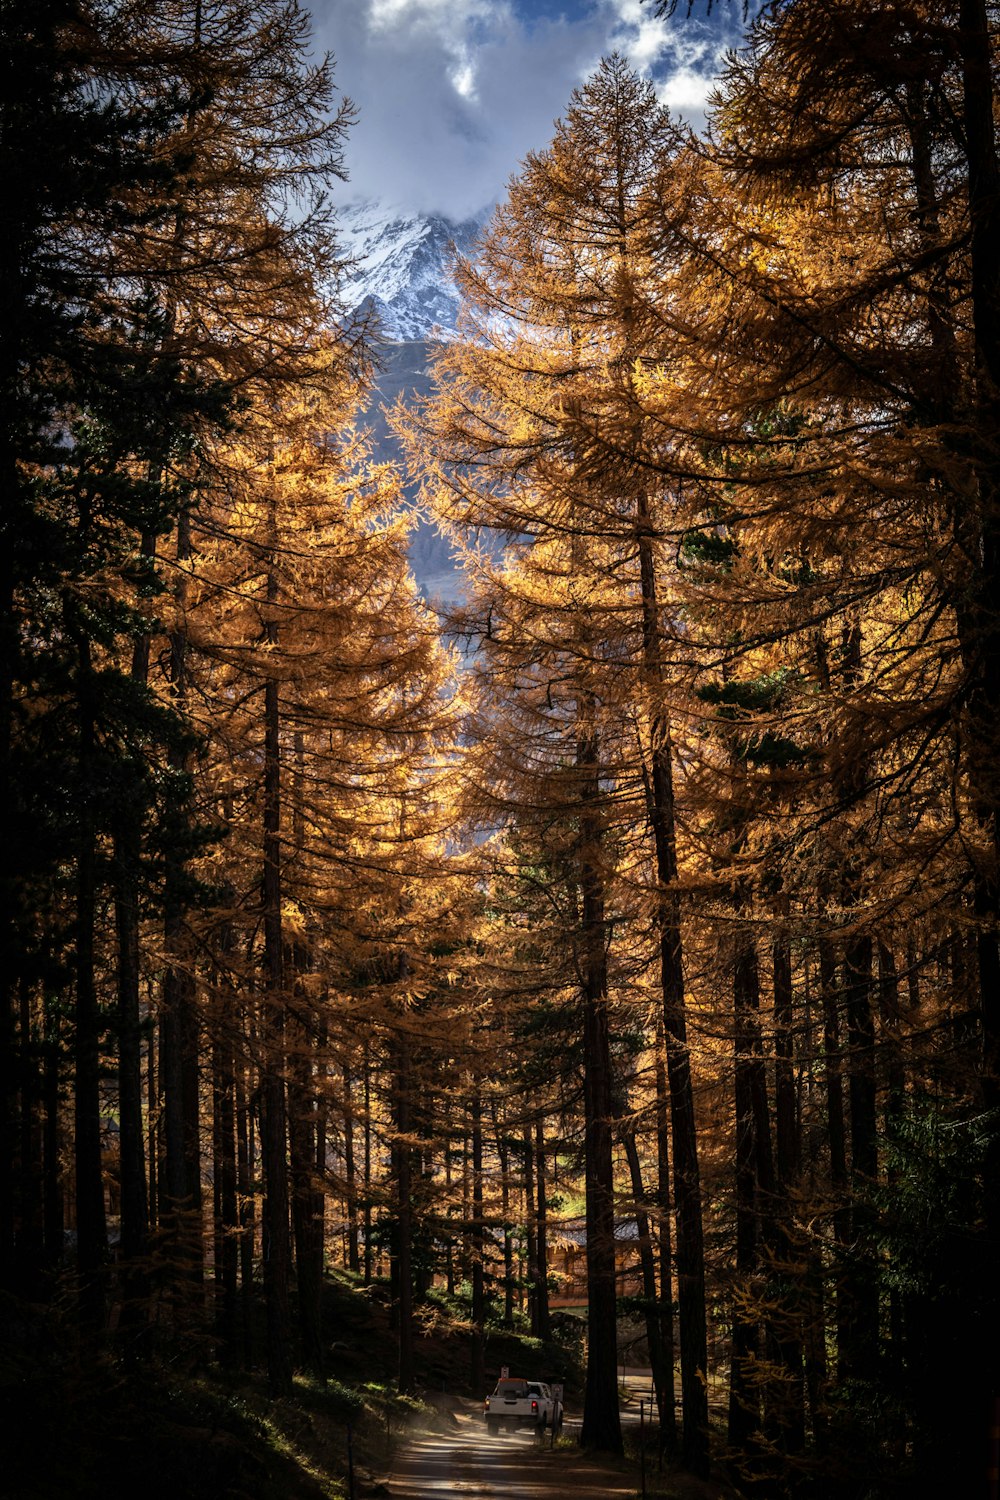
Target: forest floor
86 1425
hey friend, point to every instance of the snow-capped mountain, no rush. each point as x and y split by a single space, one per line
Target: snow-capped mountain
399 263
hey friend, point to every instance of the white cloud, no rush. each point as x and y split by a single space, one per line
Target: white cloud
453 93
384 13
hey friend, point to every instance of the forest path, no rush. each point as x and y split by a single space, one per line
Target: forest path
470 1465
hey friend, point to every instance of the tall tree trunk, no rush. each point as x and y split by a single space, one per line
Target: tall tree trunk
601 1421
10 937
225 1205
367 1068
350 1170
8 1109
647 1262
979 628
30 1236
542 1237
154 1128
321 1133
308 1244
786 1127
863 1308
895 1092
449 1252
402 1153
245 1202
788 1397
91 1225
668 1413
477 1369
273 1125
53 1207
308 1192
744 1389
836 1140
690 1249
135 1203
503 1156
181 1181
530 1227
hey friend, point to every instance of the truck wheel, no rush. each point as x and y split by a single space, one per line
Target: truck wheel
493 1428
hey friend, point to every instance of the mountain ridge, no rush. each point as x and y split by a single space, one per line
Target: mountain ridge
399 266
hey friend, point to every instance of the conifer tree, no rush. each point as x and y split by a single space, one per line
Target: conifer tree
567 256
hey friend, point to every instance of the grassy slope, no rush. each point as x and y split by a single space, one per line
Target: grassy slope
178 1426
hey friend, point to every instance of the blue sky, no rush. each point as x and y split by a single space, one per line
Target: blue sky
453 93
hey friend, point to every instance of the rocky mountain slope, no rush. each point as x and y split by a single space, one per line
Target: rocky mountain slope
399 265
400 268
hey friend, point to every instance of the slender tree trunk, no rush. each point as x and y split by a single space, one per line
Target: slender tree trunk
862 1352
181 1181
322 1133
466 1254
788 1148
788 1402
979 632
10 937
690 1250
308 1244
53 1208
503 1156
449 1253
836 1141
530 1228
224 1178
647 1262
350 1170
8 1092
601 1421
30 1237
542 1239
895 1091
91 1226
368 1165
277 1247
403 1154
154 1130
135 1202
308 1196
668 1414
477 1370
245 1206
744 1389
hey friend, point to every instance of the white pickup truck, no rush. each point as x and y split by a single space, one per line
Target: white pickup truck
522 1403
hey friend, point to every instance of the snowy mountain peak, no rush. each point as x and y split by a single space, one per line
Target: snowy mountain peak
399 263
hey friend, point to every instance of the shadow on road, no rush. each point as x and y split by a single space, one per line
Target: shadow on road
512 1467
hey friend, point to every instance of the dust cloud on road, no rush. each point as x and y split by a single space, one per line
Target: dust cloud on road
515 1466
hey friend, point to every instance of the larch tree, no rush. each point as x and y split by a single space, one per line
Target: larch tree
558 285
836 265
324 687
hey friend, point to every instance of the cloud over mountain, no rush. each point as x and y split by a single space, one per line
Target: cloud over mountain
453 93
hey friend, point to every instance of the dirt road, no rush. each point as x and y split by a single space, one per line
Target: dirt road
469 1465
